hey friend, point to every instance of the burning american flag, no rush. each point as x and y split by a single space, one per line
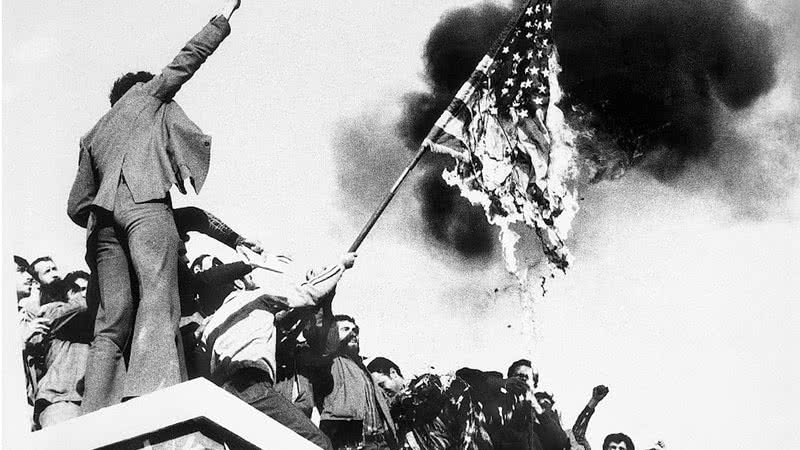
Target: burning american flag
514 153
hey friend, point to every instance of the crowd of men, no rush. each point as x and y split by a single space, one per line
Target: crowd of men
144 317
282 350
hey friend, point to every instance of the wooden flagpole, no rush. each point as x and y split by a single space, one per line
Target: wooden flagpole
389 196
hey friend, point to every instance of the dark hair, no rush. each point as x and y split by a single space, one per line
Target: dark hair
618 437
199 261
343 318
72 277
383 365
126 82
518 363
32 267
22 264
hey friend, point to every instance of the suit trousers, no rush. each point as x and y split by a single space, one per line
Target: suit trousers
134 251
254 387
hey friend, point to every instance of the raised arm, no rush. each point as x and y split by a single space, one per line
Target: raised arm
165 85
314 290
582 422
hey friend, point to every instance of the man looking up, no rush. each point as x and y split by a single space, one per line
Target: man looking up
128 162
46 273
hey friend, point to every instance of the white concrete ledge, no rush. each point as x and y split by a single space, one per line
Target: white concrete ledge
197 401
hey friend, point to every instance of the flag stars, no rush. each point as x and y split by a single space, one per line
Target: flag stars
523 113
542 89
517 57
505 50
548 24
510 82
538 100
529 11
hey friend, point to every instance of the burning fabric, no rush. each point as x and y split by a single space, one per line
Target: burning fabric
515 155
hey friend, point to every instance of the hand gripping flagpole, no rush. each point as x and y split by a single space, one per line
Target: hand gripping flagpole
389 196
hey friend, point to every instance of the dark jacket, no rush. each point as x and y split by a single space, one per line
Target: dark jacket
333 377
520 431
146 138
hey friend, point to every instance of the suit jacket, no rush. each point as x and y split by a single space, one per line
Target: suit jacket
146 138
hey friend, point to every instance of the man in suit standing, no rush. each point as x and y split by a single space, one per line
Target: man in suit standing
128 162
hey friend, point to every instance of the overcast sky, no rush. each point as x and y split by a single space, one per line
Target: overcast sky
684 307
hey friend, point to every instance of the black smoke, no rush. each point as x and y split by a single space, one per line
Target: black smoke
652 82
652 74
647 79
454 47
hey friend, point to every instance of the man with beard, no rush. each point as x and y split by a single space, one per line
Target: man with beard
45 272
353 409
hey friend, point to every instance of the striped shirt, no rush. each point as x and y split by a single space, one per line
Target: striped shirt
241 333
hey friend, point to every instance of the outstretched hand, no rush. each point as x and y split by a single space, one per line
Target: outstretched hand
253 245
267 261
348 260
228 7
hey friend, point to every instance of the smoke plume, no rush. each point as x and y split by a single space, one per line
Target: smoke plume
454 47
653 83
649 75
